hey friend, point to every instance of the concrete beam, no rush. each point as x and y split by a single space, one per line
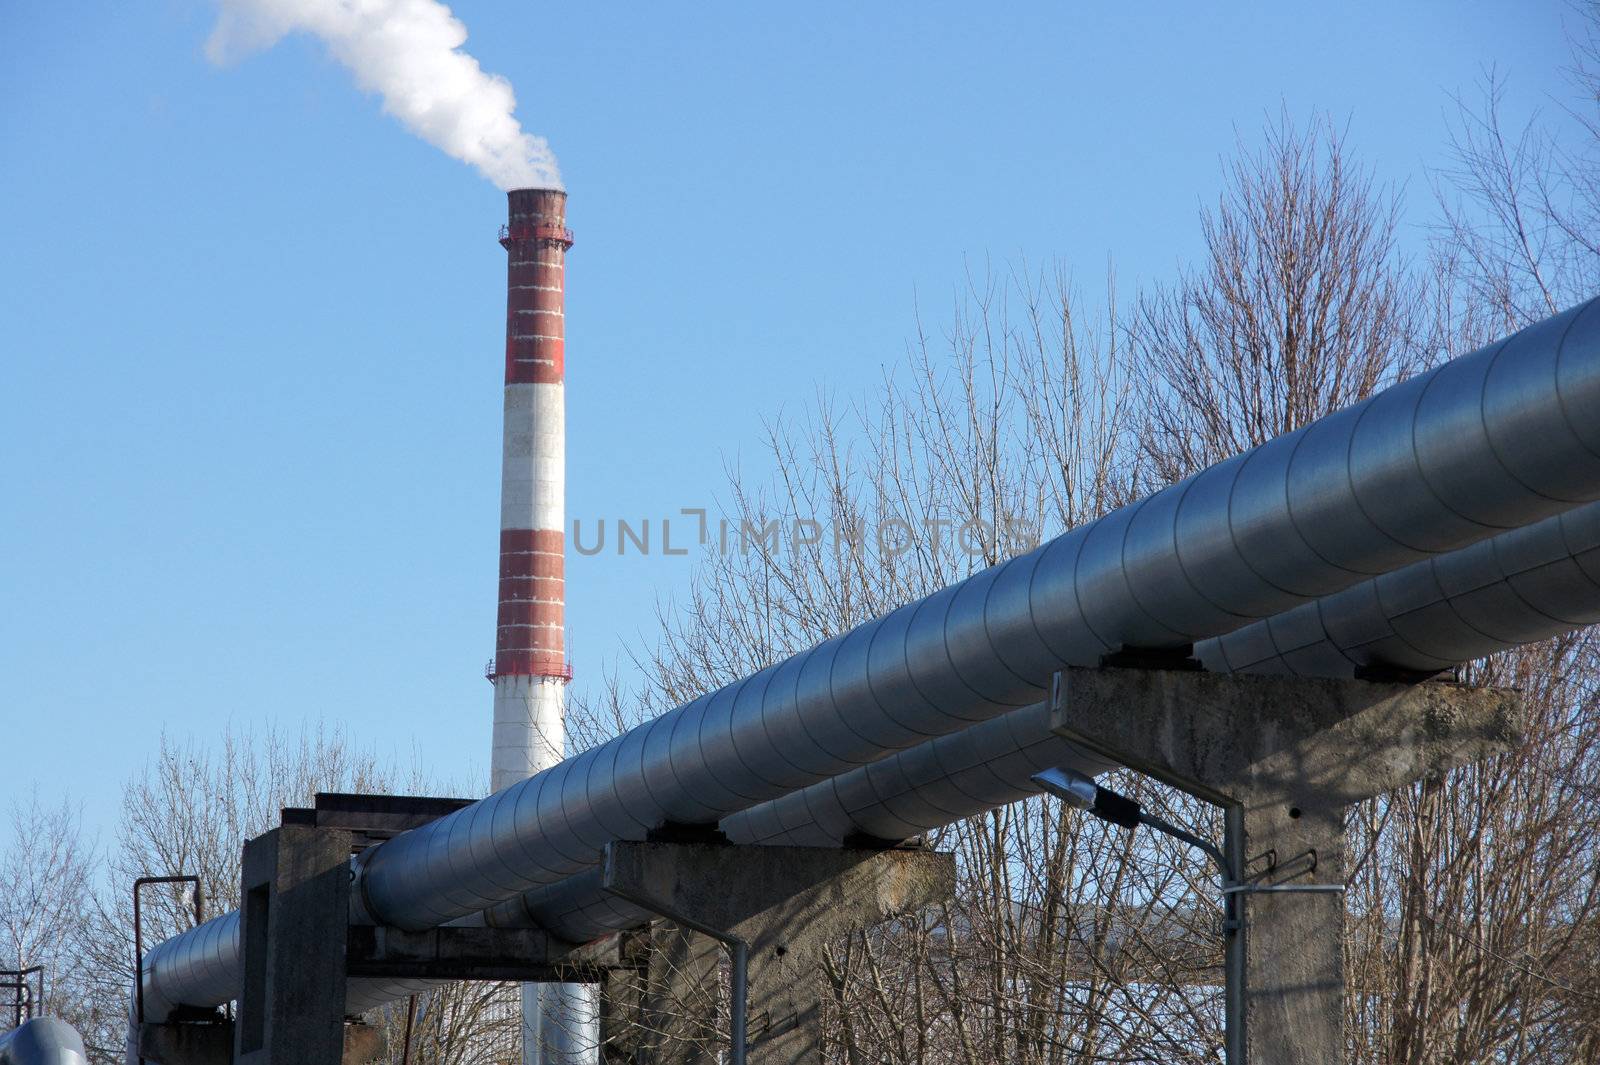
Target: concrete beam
180 1043
1322 742
211 1043
1284 757
528 955
372 818
789 904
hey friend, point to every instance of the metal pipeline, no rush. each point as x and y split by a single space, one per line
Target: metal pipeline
1520 587
42 1041
1489 442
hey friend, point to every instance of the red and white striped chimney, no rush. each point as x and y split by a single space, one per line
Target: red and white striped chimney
531 669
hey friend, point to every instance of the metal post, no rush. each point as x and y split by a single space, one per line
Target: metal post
25 1004
1233 939
739 962
411 1015
138 930
739 1007
1080 791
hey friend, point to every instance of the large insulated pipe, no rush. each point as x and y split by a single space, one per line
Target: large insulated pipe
1460 433
43 1041
1491 441
531 670
1522 586
1519 587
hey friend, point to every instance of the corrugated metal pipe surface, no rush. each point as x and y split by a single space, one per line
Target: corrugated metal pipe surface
1519 587
1495 440
1491 441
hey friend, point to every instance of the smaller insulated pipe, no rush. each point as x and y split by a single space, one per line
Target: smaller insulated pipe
43 1041
1518 588
200 967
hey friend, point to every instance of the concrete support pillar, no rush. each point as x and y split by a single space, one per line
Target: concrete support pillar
621 991
788 904
675 1008
296 909
1284 757
299 948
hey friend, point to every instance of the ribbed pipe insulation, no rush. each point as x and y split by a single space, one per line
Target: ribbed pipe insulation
201 967
1519 587
1488 442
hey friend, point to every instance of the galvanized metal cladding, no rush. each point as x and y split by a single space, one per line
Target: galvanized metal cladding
1519 587
1484 443
1522 586
1319 546
896 798
200 967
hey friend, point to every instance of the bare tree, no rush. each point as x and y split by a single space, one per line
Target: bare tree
1472 902
1521 204
1064 941
1300 307
190 811
1473 910
46 876
1472 906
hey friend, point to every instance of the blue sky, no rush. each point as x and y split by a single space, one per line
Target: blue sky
252 330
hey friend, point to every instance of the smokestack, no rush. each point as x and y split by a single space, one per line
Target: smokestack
531 670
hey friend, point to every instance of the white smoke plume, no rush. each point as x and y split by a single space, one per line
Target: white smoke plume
409 52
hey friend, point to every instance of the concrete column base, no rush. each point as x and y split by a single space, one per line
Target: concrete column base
789 904
296 891
299 948
1284 757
